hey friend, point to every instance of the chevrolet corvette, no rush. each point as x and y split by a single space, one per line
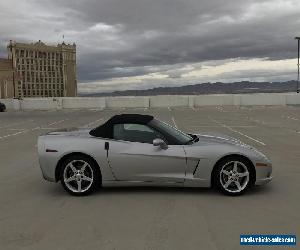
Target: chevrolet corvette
140 150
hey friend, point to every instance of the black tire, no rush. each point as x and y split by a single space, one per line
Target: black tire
2 107
219 180
91 171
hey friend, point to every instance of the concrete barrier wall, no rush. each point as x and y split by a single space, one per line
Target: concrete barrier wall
263 99
83 103
127 102
293 99
169 101
38 104
215 100
151 101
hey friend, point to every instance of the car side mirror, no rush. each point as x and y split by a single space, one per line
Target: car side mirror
161 143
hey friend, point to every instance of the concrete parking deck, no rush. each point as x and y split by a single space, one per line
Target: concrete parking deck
35 214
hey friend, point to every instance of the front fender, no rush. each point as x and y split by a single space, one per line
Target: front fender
209 155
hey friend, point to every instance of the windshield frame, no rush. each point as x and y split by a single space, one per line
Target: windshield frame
172 134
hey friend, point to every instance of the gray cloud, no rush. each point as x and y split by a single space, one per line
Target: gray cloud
126 38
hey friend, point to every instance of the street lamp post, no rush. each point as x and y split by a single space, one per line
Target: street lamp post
298 39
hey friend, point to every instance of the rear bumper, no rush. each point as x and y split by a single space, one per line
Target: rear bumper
47 178
47 162
47 175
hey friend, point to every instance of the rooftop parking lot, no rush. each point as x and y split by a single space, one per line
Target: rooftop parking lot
36 214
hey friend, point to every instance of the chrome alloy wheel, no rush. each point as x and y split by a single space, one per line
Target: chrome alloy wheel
234 176
78 176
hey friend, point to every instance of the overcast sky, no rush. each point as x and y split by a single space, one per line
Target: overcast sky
139 44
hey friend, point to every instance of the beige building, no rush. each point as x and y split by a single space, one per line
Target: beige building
42 70
6 79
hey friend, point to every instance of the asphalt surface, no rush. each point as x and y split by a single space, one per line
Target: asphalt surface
35 214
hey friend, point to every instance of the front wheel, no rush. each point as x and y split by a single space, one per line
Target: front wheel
79 175
233 176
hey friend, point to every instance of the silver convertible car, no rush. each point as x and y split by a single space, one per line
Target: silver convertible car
134 149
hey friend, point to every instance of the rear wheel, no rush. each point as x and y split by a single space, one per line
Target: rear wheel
234 175
79 175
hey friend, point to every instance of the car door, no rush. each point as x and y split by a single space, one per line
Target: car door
133 157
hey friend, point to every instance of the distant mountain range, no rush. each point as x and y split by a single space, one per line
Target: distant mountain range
209 88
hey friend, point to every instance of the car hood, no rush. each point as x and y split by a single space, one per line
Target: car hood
217 138
211 138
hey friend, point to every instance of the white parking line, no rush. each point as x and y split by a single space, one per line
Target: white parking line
16 123
290 117
238 132
20 132
257 121
91 123
218 126
57 122
266 124
35 128
15 129
96 110
29 130
173 120
49 128
50 124
249 137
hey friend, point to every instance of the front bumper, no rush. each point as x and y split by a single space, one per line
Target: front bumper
263 181
263 174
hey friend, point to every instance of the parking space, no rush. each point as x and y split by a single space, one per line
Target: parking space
35 214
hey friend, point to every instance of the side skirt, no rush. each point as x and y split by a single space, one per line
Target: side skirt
192 181
141 183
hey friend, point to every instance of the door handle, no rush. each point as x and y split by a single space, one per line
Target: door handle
106 145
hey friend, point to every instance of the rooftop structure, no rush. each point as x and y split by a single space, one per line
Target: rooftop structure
42 70
6 78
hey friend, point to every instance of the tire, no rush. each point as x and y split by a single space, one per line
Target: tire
2 107
80 175
233 175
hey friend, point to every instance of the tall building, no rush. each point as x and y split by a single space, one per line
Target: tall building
42 70
6 79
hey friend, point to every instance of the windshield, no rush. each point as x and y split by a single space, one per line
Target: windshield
165 128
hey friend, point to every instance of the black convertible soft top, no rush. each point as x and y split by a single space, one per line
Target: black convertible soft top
106 130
